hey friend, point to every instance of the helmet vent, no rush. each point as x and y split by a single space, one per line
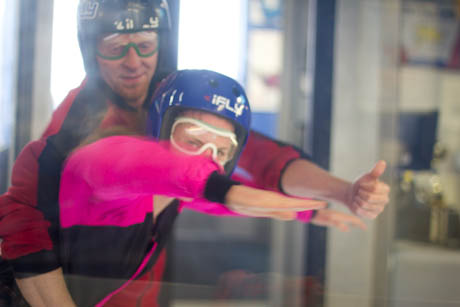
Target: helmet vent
236 92
213 83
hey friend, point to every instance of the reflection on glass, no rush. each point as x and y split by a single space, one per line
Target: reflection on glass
67 69
211 36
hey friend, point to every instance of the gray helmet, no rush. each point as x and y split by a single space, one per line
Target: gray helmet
98 17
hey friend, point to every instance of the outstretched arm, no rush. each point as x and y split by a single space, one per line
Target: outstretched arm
266 201
273 165
366 197
138 166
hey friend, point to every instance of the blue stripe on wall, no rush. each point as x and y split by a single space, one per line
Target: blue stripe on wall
265 123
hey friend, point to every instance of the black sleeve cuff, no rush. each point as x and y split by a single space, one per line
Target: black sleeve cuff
280 186
313 214
217 187
35 264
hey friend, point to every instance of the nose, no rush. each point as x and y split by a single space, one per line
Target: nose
132 60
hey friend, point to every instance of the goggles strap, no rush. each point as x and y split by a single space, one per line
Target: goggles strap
145 34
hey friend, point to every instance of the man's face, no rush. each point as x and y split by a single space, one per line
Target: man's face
129 75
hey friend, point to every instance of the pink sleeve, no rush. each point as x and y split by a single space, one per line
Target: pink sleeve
126 166
304 216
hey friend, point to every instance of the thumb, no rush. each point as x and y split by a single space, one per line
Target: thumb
378 169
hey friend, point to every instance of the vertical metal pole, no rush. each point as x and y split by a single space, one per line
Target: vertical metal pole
8 87
42 103
390 25
293 255
322 81
26 64
288 239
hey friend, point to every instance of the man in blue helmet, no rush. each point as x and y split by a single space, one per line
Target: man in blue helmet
124 46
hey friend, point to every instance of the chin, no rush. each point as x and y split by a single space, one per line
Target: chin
130 94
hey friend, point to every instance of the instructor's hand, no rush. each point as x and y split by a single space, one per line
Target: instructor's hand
341 221
368 196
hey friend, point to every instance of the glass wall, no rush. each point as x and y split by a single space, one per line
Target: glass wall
8 61
425 258
349 82
395 98
65 74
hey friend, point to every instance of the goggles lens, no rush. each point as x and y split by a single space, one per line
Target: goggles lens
194 137
116 46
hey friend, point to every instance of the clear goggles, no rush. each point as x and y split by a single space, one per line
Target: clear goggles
116 46
194 137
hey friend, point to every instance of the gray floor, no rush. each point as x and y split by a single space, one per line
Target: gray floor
187 303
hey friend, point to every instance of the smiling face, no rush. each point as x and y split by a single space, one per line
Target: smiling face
200 133
130 75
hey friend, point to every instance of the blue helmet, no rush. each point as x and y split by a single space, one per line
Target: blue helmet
200 90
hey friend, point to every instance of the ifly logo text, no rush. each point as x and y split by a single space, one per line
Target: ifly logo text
224 103
88 9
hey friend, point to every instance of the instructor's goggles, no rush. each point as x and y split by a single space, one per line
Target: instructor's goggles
194 137
116 46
